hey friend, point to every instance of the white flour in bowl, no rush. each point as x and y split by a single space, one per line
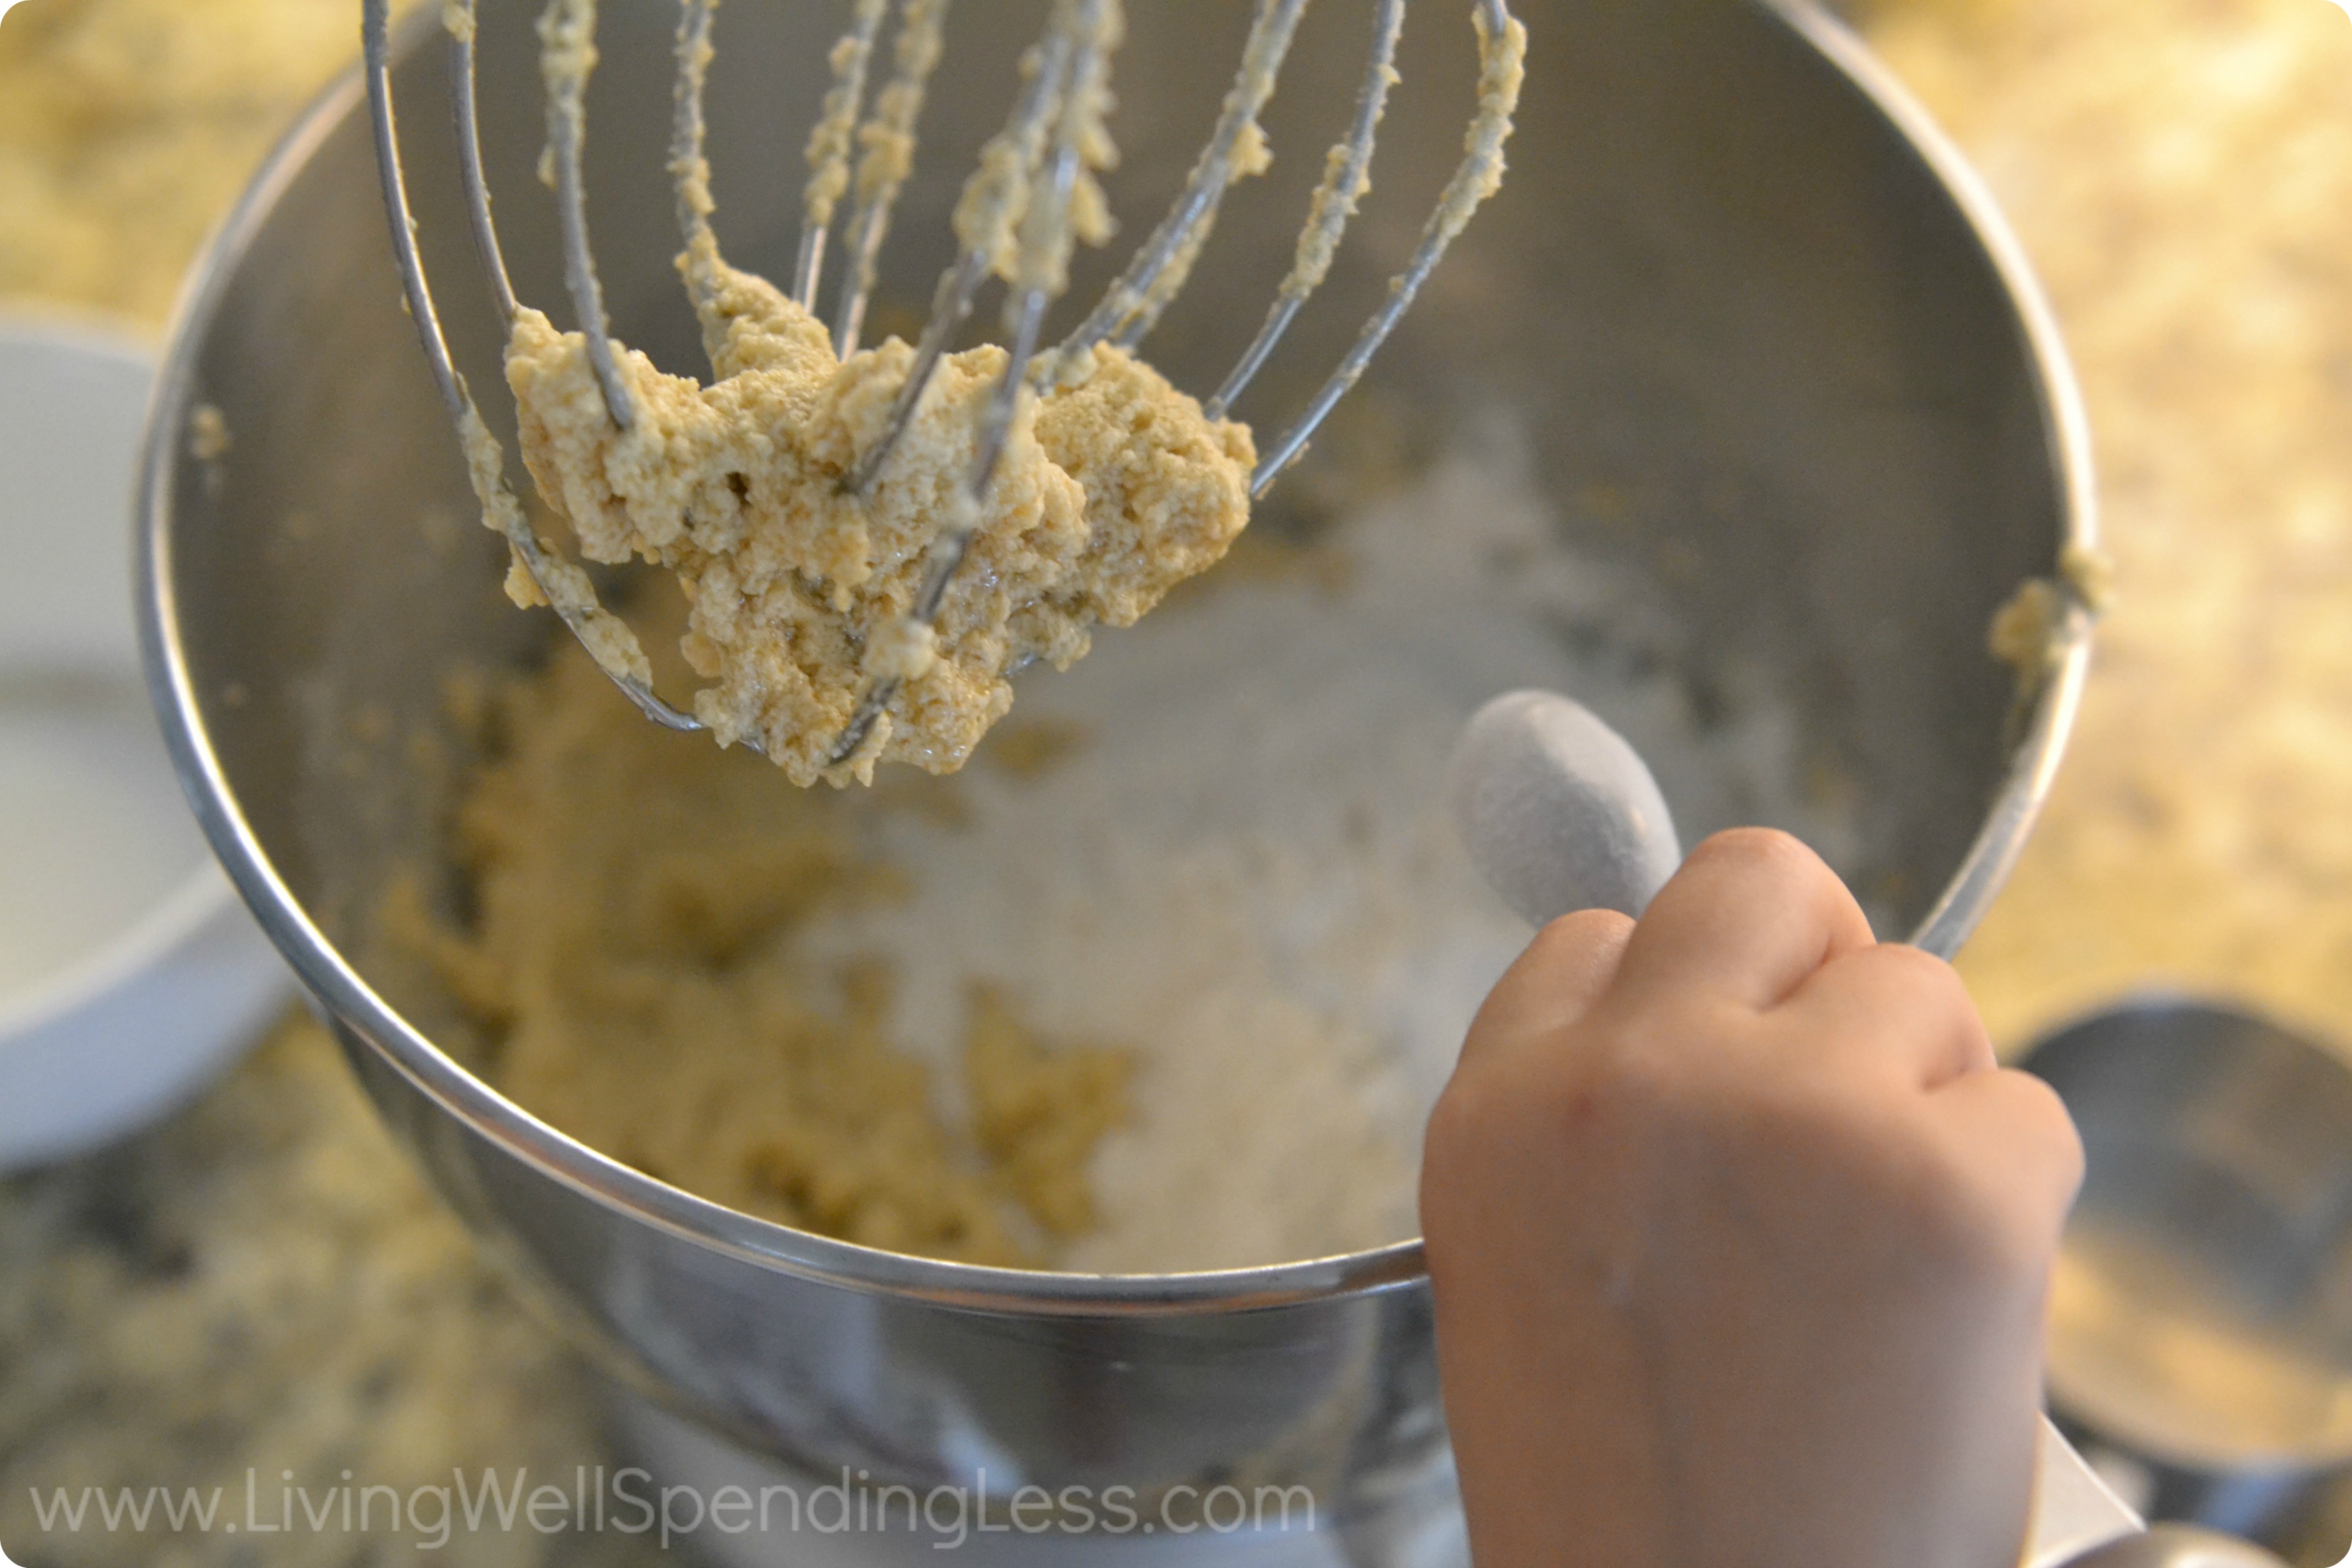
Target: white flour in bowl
1242 871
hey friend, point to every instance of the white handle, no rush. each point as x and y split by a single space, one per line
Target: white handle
2074 1512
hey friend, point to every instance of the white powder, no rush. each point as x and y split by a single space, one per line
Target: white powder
1245 874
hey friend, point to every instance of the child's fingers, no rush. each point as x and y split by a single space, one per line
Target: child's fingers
1748 918
1894 1008
1553 983
2016 1125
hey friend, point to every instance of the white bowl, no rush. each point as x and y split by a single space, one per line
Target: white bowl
129 973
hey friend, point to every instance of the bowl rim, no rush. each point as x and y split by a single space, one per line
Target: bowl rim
615 1187
195 898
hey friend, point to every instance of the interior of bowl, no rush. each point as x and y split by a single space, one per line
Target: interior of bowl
1721 419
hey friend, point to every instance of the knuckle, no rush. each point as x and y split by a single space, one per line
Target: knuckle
1497 1109
1915 965
1492 1140
2040 1109
1484 1120
1907 1184
1770 848
1455 1125
1918 977
1452 1184
1581 932
1891 1004
1673 1068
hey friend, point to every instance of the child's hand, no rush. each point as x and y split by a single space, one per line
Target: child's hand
1741 1239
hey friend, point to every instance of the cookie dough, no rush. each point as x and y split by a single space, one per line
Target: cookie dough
798 591
1110 493
626 951
1111 487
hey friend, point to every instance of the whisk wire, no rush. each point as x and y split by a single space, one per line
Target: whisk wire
831 144
465 111
1039 269
568 30
376 62
1018 219
1503 51
888 139
1018 144
563 585
691 171
1347 178
1159 266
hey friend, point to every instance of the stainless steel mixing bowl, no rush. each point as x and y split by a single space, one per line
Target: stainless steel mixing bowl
1781 360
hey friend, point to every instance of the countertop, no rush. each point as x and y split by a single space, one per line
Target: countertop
263 1286
2197 253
